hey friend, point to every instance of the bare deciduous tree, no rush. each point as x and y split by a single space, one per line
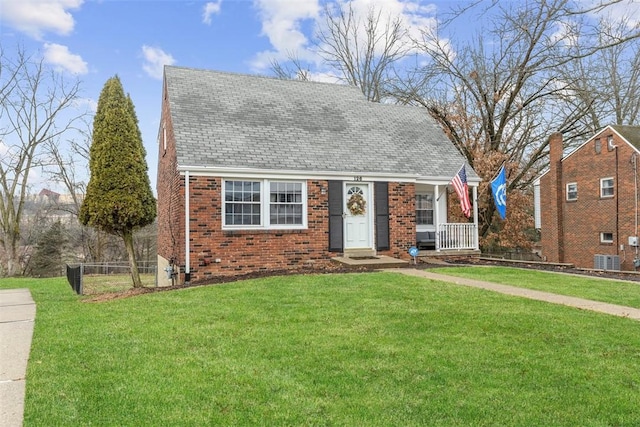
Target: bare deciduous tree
607 83
501 94
36 107
361 51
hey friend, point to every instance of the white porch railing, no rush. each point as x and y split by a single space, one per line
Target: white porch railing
456 236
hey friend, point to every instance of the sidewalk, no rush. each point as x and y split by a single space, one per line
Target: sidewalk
583 304
17 316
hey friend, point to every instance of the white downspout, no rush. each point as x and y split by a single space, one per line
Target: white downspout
187 268
475 216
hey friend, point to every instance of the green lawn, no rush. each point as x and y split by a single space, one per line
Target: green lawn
353 350
93 284
614 292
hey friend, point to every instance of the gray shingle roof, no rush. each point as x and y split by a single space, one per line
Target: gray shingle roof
232 120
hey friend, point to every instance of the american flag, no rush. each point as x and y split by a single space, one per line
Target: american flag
459 183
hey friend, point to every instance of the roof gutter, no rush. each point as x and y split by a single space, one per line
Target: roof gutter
300 174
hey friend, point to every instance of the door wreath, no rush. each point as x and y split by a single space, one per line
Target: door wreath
356 204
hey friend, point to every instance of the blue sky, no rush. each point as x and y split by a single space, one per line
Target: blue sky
95 40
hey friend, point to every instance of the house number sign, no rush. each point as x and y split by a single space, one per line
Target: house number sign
357 178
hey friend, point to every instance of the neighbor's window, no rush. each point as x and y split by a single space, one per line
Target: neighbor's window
610 144
572 191
264 204
424 209
597 145
606 237
606 187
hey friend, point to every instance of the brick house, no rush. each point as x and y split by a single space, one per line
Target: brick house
587 201
257 173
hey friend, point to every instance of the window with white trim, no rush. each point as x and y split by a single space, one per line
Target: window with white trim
572 191
606 237
606 187
264 204
424 209
285 203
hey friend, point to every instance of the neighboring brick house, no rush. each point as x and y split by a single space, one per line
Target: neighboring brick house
587 204
257 174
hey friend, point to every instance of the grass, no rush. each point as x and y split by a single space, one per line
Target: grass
614 292
93 284
359 349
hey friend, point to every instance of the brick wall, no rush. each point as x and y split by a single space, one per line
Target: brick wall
552 193
244 251
214 251
402 219
584 219
170 190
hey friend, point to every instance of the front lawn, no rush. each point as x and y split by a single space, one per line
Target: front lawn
355 350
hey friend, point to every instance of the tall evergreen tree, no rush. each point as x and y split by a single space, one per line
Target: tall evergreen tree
119 198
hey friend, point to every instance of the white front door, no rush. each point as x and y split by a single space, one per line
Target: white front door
357 222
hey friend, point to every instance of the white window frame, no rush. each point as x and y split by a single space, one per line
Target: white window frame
433 209
164 136
603 188
265 206
606 240
574 192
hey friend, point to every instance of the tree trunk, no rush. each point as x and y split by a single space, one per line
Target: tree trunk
127 236
11 260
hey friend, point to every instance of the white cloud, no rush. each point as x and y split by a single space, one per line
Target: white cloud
4 149
155 60
36 17
87 104
60 57
211 8
626 11
282 24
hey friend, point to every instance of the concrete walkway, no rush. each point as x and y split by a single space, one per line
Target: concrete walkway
583 304
17 316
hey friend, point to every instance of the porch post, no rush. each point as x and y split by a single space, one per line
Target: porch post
475 217
436 211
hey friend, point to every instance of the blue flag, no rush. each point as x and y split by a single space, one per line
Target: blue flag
499 190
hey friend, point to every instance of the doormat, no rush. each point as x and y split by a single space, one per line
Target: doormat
363 257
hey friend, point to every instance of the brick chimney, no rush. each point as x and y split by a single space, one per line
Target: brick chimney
555 238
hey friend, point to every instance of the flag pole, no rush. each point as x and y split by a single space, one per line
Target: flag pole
498 173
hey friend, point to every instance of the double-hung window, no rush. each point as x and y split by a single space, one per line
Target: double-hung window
606 237
264 204
606 187
242 203
572 191
424 209
285 203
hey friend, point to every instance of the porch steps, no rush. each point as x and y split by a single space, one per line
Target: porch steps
359 253
372 261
